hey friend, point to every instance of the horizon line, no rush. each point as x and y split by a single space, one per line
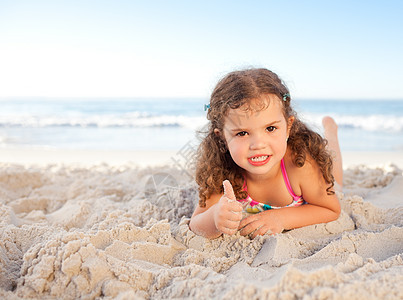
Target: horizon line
194 98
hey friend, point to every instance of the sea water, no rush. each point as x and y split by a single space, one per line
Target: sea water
170 124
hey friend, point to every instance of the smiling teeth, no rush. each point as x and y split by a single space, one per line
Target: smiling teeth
259 158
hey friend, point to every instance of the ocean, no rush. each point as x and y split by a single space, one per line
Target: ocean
170 124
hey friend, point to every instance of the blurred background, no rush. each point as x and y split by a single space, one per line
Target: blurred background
135 75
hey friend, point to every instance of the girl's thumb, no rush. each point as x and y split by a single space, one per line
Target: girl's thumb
228 190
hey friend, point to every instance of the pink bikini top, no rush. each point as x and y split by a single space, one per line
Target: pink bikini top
252 206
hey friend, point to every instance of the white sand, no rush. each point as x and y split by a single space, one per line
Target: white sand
121 231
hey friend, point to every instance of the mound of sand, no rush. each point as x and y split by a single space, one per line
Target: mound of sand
122 232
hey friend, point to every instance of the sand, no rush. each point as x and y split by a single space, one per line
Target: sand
120 231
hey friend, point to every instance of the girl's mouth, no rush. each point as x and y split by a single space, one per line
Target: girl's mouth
259 160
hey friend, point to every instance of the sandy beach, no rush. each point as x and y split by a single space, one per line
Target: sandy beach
114 225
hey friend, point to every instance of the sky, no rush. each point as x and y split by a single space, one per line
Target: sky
321 49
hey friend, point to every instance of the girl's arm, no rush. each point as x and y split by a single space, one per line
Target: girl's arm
320 207
202 220
222 214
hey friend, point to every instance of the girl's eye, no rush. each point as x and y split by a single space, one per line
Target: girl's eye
242 133
271 128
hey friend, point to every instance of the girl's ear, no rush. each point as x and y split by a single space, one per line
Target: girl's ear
221 143
289 125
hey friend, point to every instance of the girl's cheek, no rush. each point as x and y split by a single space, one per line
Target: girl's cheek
236 146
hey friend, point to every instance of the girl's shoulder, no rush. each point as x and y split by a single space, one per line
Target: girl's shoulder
308 179
309 168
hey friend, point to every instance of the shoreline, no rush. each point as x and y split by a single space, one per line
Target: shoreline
354 158
144 158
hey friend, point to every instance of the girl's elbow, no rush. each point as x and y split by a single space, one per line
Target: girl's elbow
335 213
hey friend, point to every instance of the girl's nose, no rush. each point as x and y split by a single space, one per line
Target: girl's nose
258 142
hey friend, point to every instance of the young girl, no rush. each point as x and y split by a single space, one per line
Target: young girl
258 157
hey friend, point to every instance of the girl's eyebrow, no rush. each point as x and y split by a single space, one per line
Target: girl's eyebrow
246 129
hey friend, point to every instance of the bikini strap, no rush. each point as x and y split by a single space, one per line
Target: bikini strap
287 182
244 187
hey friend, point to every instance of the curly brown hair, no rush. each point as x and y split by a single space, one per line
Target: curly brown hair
214 163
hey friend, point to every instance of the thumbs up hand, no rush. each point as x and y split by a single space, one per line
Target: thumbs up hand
228 213
228 191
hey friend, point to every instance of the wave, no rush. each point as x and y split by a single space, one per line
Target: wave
103 121
372 123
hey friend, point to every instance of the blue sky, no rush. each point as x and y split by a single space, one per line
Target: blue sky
321 49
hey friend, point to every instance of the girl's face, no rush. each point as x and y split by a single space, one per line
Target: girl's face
257 140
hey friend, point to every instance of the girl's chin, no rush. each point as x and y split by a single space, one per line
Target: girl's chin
262 170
